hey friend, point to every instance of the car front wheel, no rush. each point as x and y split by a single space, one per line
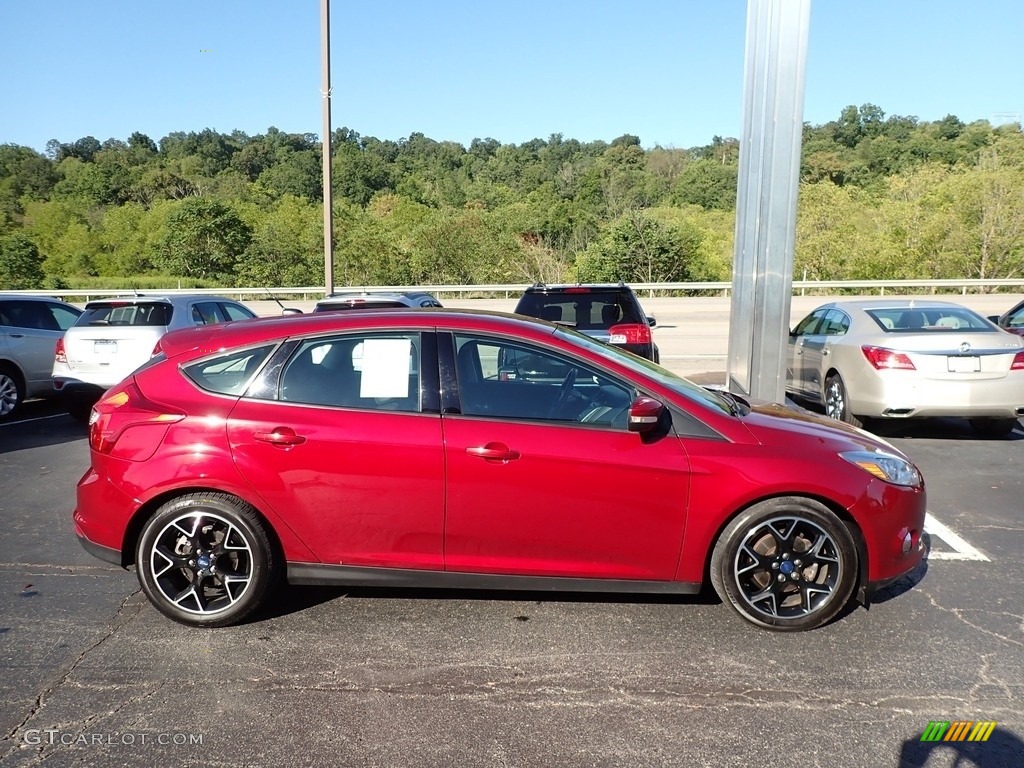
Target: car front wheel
786 564
205 560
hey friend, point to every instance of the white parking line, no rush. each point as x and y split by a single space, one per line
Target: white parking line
961 549
34 418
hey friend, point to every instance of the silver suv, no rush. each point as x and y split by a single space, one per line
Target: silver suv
113 337
30 327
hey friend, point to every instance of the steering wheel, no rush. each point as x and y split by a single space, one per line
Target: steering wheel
563 393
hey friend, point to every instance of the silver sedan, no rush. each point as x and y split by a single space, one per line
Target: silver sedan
900 359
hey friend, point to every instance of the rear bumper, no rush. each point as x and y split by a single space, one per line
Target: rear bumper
894 394
98 550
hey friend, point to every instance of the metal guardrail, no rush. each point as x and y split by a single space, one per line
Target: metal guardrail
722 288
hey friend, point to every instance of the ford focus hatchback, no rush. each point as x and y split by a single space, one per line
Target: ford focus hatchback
113 337
409 449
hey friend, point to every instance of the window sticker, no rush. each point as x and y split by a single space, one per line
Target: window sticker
385 367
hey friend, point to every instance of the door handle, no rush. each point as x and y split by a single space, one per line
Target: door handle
824 352
283 436
494 452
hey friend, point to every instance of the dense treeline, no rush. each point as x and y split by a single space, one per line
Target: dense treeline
881 197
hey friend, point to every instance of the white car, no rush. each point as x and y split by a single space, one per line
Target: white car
113 337
903 359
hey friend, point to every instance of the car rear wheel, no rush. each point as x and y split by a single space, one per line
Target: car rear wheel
993 427
836 403
205 560
786 564
12 392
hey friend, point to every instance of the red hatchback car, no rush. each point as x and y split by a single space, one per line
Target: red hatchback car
469 449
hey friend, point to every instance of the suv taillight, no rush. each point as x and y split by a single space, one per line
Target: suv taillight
59 355
125 424
631 333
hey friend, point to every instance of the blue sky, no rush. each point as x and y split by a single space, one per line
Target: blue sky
668 71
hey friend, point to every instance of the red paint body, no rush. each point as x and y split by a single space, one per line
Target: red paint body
440 491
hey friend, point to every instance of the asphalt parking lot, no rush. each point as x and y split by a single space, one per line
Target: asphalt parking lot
92 675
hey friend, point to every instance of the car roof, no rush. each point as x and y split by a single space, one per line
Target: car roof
561 287
175 299
31 297
907 303
211 338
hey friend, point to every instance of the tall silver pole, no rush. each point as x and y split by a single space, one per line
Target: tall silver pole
769 178
325 78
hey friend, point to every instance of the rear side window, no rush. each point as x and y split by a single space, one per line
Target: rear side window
228 374
149 314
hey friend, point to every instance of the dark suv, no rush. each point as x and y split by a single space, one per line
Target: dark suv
608 312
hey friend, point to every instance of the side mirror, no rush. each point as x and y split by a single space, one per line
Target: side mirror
651 321
291 311
993 319
644 414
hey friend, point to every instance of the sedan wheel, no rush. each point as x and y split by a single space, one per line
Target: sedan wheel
836 403
787 564
205 560
11 393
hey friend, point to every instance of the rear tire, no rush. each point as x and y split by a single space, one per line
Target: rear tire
993 427
206 560
12 391
837 403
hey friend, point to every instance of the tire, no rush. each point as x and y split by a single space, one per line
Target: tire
786 564
199 539
12 392
836 402
993 427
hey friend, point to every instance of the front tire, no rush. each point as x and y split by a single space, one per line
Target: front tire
786 564
836 402
205 560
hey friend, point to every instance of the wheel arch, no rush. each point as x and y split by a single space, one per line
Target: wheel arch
837 509
134 528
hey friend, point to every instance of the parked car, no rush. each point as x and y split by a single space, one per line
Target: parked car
402 448
370 300
113 337
1012 320
605 311
30 327
902 359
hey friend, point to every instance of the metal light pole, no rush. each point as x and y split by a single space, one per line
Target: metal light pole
325 93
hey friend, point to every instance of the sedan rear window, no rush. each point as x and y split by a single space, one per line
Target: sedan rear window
928 319
154 313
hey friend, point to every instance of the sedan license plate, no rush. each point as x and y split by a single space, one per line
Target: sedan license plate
105 347
964 364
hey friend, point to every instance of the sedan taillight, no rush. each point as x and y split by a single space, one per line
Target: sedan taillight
1018 362
126 424
887 359
59 355
630 334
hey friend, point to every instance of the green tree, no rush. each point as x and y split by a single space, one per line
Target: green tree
21 266
204 239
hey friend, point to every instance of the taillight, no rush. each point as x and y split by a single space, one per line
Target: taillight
630 334
887 359
59 355
127 424
157 349
1018 362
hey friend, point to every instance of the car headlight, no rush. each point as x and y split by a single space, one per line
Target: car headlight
885 466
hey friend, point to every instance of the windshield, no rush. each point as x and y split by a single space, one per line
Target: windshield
663 376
